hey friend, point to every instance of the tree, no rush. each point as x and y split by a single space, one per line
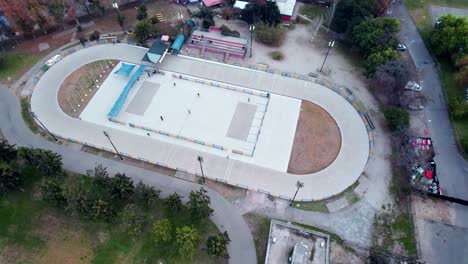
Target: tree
142 31
56 8
375 35
462 71
206 15
199 205
391 79
162 231
217 245
154 20
54 192
376 59
7 152
121 186
146 195
397 119
266 12
449 37
142 14
174 202
349 13
187 239
47 162
458 107
273 35
133 220
10 178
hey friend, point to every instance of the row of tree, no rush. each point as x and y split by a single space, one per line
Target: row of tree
449 39
25 15
99 197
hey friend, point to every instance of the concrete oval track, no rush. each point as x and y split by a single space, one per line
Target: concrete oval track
340 174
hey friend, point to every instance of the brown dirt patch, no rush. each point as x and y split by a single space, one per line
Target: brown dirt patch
317 140
79 87
430 209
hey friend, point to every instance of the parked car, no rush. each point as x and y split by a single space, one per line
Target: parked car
53 60
413 86
401 47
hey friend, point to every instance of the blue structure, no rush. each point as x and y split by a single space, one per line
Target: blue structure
179 41
125 69
123 96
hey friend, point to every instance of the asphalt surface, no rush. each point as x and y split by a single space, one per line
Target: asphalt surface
226 218
440 243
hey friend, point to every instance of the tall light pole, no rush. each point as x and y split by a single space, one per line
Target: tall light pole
108 137
39 121
200 160
251 28
330 45
298 185
181 16
115 5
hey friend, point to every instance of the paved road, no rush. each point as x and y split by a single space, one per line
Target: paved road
344 171
439 243
452 168
226 218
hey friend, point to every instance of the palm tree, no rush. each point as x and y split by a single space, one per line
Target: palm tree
205 14
142 31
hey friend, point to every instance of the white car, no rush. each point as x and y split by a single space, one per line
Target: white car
401 47
413 86
54 60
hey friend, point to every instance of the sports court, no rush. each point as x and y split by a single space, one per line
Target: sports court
209 116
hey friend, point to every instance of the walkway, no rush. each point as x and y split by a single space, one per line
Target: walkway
226 218
344 171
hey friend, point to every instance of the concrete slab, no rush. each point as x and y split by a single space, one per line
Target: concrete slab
242 121
43 46
337 205
143 98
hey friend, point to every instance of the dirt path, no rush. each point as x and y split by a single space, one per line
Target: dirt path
317 140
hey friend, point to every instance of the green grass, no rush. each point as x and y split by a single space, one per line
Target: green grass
15 63
321 206
404 225
333 236
27 117
19 224
260 228
312 11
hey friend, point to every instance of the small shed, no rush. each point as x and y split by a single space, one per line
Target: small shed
178 42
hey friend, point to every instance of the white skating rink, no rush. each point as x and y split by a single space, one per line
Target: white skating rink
194 111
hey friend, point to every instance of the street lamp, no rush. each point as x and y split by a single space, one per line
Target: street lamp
108 137
115 5
200 160
298 185
181 16
251 28
330 45
39 121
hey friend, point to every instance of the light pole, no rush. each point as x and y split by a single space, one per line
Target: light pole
298 185
115 5
39 121
251 28
330 45
108 137
181 16
200 160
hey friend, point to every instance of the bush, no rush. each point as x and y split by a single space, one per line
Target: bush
458 107
397 119
95 35
228 32
208 23
277 55
154 20
273 35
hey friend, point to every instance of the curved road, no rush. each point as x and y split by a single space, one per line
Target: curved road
226 218
343 172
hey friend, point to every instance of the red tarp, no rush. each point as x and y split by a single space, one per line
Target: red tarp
428 174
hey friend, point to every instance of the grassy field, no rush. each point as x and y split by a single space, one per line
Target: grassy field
15 64
33 232
260 228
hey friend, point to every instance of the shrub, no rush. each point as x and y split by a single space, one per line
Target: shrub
228 32
277 55
458 107
397 118
95 35
273 35
154 20
208 23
